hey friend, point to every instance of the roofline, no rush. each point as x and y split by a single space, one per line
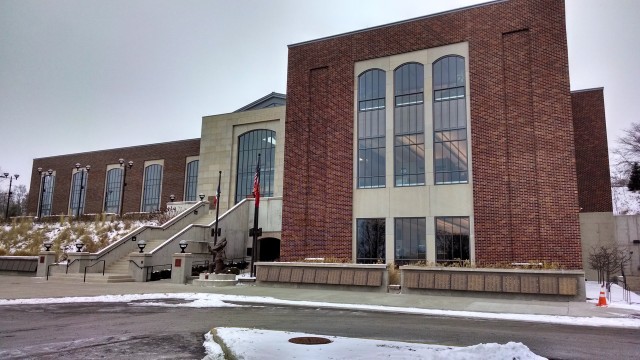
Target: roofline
273 94
590 89
397 23
119 148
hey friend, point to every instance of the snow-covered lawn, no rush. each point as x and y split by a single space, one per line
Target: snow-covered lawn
266 344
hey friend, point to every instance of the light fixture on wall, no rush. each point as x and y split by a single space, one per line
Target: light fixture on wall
82 171
43 180
6 175
124 180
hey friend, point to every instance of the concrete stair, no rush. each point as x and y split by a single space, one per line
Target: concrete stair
205 219
91 278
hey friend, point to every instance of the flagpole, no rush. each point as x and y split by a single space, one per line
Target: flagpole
254 249
215 236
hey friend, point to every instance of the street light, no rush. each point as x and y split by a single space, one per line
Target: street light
124 180
6 175
79 246
43 180
141 245
201 196
172 197
82 171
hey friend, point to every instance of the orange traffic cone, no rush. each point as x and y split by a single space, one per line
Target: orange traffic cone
602 301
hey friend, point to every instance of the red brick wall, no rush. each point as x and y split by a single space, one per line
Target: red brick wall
592 155
525 192
173 176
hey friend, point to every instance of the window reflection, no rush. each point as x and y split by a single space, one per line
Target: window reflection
250 144
450 121
371 129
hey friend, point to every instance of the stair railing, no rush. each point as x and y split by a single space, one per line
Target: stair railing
88 266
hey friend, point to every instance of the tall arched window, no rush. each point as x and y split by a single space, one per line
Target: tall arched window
47 194
151 189
371 129
191 182
450 121
113 190
250 144
409 125
78 192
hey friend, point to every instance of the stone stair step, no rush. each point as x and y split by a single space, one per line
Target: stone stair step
91 278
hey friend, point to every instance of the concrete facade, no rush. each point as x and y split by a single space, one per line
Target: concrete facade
219 149
426 201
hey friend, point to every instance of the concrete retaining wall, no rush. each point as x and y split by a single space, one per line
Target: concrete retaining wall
558 285
323 276
19 264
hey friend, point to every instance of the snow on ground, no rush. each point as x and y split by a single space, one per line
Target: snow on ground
266 344
617 296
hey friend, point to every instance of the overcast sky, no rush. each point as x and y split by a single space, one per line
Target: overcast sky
82 75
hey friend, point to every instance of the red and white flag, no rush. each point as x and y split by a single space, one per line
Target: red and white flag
256 183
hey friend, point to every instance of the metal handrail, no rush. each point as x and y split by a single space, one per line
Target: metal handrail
88 266
66 271
48 267
146 268
117 245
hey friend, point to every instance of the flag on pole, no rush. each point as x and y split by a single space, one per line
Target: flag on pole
256 183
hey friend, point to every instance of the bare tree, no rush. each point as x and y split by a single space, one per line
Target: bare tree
627 152
607 260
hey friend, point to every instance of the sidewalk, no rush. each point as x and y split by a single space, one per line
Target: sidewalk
20 287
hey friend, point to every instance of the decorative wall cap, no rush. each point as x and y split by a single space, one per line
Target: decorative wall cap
324 265
490 270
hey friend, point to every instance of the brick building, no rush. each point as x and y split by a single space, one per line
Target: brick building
439 138
443 138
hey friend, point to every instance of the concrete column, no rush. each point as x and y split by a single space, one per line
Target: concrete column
181 268
78 261
45 258
142 260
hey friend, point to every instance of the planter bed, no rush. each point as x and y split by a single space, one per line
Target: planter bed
557 285
359 277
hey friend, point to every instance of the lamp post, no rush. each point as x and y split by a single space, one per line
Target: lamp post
43 180
141 245
6 175
82 171
124 181
172 197
183 245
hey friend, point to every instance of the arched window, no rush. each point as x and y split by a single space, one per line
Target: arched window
47 194
371 129
113 190
450 121
191 182
151 189
78 192
250 144
409 125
